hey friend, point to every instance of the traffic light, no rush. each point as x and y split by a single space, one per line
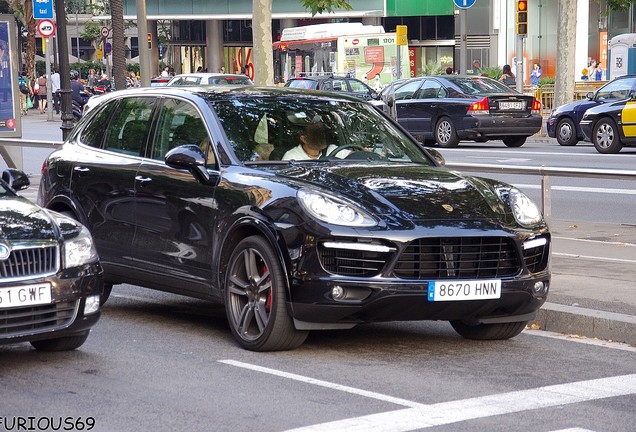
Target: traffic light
149 38
522 18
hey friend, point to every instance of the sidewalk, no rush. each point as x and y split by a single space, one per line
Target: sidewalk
592 293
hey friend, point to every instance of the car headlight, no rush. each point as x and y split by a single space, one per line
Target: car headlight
525 211
79 250
333 210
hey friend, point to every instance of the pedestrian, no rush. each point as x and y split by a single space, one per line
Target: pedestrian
24 85
40 84
535 75
449 70
476 67
507 77
132 80
92 79
598 72
165 72
592 70
55 90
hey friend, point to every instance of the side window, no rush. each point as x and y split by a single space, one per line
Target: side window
619 89
326 85
339 85
93 134
406 91
429 90
129 127
179 124
359 87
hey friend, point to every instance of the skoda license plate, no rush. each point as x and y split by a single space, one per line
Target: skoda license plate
464 290
27 295
508 105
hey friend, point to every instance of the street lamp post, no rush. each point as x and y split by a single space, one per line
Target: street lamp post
65 73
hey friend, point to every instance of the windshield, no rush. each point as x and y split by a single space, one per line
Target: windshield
265 129
481 86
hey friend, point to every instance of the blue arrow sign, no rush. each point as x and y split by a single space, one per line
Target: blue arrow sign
42 9
464 4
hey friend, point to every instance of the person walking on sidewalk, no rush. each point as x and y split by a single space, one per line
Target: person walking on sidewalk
25 91
42 94
55 89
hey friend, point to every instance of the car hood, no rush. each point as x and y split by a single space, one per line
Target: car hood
22 220
572 106
411 191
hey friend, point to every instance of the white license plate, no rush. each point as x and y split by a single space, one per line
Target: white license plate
512 105
28 295
464 290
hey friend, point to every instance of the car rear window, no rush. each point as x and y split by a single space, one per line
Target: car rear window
481 86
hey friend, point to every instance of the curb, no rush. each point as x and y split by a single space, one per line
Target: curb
590 323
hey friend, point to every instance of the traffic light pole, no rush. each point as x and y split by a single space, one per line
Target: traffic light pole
519 51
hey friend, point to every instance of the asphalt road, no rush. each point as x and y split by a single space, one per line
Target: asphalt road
159 362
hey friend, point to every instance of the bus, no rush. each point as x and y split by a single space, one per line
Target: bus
365 52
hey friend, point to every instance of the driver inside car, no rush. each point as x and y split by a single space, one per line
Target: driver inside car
313 144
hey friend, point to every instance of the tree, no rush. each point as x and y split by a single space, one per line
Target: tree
262 33
118 45
23 10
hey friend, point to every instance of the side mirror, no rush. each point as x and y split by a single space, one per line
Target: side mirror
16 179
590 95
436 155
189 157
375 95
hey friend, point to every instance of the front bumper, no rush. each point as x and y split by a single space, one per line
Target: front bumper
64 316
391 301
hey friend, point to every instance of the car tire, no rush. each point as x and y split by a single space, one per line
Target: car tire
514 141
108 287
605 137
498 331
445 133
255 300
566 132
66 343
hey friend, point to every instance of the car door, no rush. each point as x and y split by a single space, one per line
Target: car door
402 100
425 107
360 90
176 213
103 175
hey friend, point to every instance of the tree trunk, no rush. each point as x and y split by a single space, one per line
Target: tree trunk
29 59
566 48
118 45
262 36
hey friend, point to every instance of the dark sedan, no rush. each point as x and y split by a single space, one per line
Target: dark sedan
50 276
299 211
611 126
344 84
449 108
563 123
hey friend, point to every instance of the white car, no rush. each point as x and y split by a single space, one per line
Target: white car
204 78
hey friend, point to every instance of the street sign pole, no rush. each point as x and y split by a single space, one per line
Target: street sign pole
49 92
463 5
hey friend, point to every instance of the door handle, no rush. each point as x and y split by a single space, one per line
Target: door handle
81 170
143 180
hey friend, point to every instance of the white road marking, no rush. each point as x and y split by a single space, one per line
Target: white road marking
594 258
326 384
580 189
480 407
612 243
574 430
581 340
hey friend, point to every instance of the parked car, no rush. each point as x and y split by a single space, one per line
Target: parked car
193 79
299 211
564 120
450 108
50 276
340 84
159 81
610 126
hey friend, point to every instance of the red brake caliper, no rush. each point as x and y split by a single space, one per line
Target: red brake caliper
268 303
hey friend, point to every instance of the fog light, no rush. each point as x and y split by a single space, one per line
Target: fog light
91 305
337 293
540 287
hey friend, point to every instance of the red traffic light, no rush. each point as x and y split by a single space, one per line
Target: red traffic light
522 5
